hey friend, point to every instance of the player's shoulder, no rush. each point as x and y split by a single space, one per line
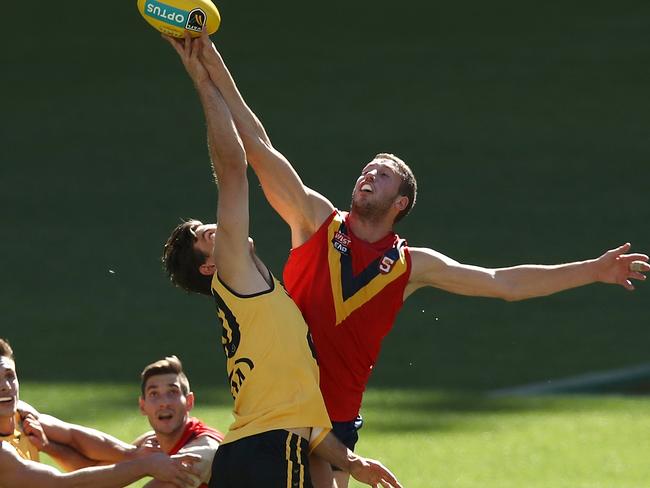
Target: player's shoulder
147 436
202 441
426 260
8 453
24 409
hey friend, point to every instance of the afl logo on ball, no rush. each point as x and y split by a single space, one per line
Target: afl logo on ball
196 20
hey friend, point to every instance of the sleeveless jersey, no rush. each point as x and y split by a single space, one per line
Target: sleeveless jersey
195 428
21 442
272 371
349 292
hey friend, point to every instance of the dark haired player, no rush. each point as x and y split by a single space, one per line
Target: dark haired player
273 375
349 273
166 400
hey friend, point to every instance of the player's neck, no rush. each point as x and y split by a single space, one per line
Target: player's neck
369 230
168 441
7 425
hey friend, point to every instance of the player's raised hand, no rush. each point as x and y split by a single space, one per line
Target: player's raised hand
178 469
373 473
188 50
208 53
616 267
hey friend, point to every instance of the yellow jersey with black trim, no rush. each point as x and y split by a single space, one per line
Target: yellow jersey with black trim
21 442
272 369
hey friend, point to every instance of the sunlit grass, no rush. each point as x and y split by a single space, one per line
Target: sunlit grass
436 439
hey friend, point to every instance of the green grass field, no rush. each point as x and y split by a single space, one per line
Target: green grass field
438 439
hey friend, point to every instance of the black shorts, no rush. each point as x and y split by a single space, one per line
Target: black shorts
347 433
274 459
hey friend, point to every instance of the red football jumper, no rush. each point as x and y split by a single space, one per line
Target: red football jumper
349 292
193 429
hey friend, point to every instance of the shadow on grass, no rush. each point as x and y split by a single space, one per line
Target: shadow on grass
386 410
444 410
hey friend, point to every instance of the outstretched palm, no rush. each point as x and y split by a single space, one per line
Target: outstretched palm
615 267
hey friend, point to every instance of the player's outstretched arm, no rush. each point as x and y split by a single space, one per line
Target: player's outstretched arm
366 471
16 472
431 268
301 207
75 446
232 251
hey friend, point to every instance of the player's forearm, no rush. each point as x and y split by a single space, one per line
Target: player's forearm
528 281
224 143
69 459
334 452
248 124
42 476
106 476
92 444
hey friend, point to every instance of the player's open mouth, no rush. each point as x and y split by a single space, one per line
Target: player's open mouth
6 399
165 416
366 187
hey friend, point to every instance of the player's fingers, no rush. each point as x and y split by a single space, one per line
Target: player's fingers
187 43
205 37
636 258
187 458
627 284
175 43
638 276
184 479
196 48
622 249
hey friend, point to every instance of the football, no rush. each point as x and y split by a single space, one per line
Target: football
175 17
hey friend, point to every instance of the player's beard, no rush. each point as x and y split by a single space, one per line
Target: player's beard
370 211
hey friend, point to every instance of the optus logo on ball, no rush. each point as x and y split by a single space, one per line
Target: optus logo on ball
165 13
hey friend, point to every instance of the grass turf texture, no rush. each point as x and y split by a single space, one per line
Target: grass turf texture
437 438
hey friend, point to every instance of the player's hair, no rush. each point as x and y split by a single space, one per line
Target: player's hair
5 349
169 365
182 261
408 187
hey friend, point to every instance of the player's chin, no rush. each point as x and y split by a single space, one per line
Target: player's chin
167 426
8 408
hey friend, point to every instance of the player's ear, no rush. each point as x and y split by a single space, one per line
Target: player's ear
207 269
401 202
190 401
141 405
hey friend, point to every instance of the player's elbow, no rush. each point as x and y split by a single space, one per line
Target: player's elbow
507 289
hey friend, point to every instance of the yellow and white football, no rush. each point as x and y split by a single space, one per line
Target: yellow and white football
175 17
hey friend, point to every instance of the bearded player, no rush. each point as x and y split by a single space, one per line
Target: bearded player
272 372
349 273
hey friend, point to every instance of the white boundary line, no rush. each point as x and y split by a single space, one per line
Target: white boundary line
580 382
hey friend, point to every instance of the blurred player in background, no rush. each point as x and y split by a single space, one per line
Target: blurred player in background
166 400
20 437
349 272
273 375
